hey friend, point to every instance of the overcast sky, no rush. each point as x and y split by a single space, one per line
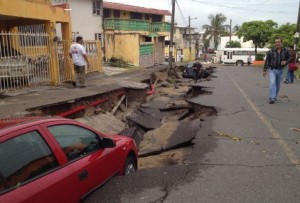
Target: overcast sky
281 11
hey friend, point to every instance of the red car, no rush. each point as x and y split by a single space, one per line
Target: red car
59 160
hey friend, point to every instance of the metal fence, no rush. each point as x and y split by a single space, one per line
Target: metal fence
25 59
93 51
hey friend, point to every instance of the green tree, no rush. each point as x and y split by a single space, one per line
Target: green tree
236 28
257 31
233 44
206 44
286 33
216 28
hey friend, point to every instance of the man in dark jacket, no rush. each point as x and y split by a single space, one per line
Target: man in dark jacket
277 59
197 68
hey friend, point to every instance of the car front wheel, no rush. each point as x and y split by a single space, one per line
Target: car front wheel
130 165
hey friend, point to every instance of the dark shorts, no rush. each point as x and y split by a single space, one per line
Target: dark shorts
79 69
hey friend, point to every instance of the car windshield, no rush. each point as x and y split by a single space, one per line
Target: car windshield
189 65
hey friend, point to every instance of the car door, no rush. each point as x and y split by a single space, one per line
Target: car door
30 171
90 163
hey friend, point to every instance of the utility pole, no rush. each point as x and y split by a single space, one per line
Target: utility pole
171 38
190 38
230 31
298 21
296 36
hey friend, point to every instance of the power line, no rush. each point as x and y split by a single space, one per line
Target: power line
181 13
245 7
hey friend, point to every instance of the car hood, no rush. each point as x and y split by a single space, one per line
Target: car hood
117 138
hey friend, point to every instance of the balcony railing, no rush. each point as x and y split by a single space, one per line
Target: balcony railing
126 25
161 27
135 25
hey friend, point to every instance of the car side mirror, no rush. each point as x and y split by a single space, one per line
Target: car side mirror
108 143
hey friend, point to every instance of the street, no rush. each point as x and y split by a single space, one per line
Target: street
248 152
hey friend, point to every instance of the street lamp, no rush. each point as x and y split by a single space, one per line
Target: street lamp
296 38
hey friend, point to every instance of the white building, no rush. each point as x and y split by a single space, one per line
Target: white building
86 17
224 40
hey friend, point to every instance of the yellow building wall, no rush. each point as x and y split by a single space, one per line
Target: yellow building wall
37 11
189 56
186 54
122 46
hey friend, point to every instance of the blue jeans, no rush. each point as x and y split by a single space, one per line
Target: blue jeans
275 77
290 76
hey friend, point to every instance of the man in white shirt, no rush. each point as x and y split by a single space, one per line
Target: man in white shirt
78 54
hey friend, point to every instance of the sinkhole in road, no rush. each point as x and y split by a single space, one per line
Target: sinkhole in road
163 124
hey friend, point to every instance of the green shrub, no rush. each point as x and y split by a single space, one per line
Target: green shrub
115 62
259 57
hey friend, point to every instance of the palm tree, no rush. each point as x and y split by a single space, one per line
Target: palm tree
236 28
216 28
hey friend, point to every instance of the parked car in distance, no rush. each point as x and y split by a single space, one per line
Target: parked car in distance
188 71
210 50
13 68
55 159
15 72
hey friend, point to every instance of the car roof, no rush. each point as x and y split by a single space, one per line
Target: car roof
8 125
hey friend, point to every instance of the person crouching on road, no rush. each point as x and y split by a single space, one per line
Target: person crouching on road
276 60
79 57
197 68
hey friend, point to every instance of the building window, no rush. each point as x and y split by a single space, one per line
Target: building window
116 14
98 36
137 16
97 7
147 17
148 39
156 18
106 13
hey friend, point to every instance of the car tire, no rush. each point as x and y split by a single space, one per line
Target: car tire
130 165
239 63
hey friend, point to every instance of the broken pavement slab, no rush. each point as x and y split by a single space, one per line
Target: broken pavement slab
169 136
202 109
157 102
105 123
133 85
134 132
145 119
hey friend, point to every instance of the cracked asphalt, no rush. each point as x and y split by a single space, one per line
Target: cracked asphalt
261 166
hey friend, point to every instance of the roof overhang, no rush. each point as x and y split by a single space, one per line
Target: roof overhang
138 9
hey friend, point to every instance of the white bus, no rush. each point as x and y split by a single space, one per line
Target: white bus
239 56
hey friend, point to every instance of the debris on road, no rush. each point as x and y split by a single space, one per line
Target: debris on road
104 122
168 119
296 129
133 85
234 138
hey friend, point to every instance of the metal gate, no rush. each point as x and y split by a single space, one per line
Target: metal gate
93 51
24 59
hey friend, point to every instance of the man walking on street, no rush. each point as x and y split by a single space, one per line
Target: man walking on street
276 60
78 54
197 68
